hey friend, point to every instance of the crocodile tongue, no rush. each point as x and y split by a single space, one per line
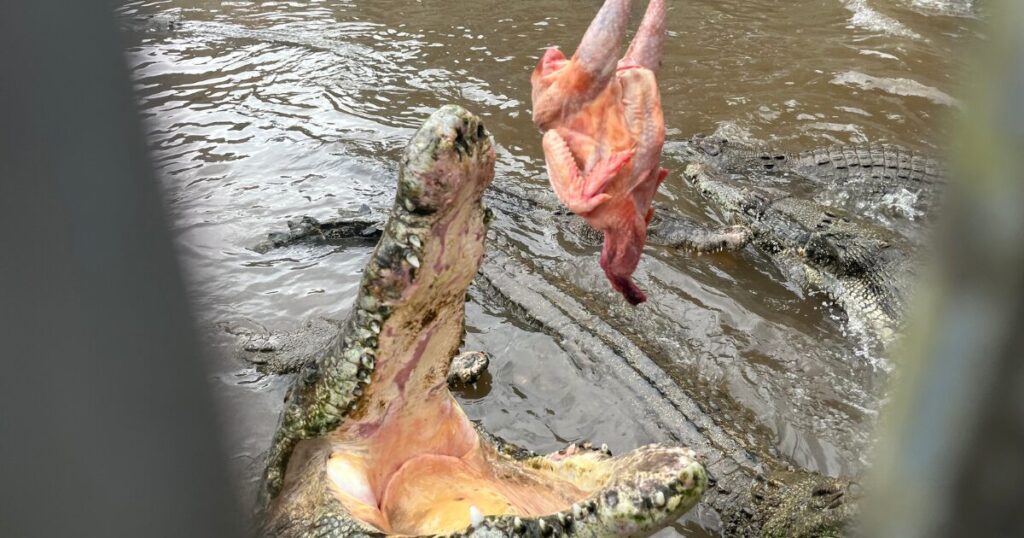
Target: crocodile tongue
402 456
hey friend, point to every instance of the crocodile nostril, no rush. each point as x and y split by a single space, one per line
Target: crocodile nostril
461 144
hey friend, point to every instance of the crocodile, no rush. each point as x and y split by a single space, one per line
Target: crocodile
371 442
882 182
826 217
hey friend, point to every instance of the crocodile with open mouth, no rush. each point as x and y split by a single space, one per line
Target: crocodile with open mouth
371 442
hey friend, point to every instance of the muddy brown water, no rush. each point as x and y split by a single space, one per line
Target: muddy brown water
258 112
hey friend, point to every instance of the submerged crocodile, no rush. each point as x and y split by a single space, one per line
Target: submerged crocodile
880 182
825 216
371 442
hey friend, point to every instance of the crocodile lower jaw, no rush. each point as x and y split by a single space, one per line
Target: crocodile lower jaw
408 461
466 481
443 489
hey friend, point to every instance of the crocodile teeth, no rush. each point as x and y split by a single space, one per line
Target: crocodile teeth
409 206
577 512
659 499
332 409
349 368
413 260
414 240
517 524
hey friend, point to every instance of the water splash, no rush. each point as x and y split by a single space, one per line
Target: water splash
895 86
866 17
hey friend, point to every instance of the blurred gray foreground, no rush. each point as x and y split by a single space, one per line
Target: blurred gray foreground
107 427
106 424
951 459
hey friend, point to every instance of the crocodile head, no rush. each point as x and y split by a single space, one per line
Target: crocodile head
729 192
862 266
372 442
797 504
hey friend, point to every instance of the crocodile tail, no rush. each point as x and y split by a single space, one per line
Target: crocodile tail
620 256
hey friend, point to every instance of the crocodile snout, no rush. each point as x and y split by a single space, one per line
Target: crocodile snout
449 157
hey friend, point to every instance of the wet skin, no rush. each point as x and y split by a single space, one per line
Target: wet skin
372 442
604 130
